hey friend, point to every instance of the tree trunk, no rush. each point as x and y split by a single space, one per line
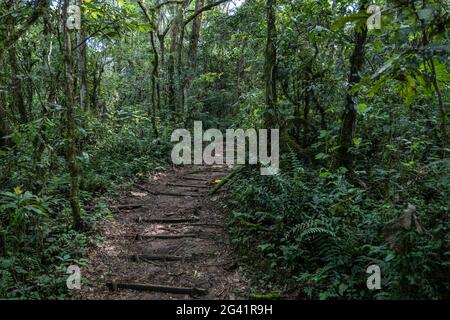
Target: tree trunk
349 115
29 86
16 89
70 123
96 82
171 66
155 85
17 101
193 48
442 112
162 65
3 118
270 66
82 61
179 81
195 36
241 64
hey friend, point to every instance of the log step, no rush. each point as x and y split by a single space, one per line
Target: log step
174 194
113 286
187 186
146 257
165 236
167 220
194 179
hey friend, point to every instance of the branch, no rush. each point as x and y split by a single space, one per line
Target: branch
167 29
199 11
91 36
147 15
170 23
38 11
166 3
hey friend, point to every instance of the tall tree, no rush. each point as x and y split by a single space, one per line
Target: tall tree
155 67
270 66
193 48
81 63
350 112
16 87
69 104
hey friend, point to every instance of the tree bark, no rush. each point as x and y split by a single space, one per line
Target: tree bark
179 81
82 61
154 80
192 53
4 127
18 103
70 123
195 36
349 115
270 66
15 84
171 72
155 84
442 112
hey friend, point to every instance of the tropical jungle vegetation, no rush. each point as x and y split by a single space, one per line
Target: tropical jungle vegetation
88 107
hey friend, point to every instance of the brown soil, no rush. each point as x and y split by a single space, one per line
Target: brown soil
174 236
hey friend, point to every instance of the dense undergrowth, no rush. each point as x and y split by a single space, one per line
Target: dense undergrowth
315 234
37 241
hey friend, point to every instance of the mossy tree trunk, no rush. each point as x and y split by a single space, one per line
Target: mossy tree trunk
70 122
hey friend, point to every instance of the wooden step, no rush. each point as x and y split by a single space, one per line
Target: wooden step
114 286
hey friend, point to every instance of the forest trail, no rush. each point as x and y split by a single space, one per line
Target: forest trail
167 240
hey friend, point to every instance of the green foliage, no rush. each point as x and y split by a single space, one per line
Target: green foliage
36 241
317 235
37 245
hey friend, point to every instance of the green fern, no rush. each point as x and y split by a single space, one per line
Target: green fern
315 231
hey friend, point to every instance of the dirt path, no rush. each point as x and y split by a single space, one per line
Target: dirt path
173 238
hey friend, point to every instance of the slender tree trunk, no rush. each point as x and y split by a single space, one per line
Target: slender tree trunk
16 88
193 48
270 66
179 81
171 66
241 64
306 109
3 117
195 36
155 85
442 111
29 86
96 82
70 123
82 61
162 65
350 112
